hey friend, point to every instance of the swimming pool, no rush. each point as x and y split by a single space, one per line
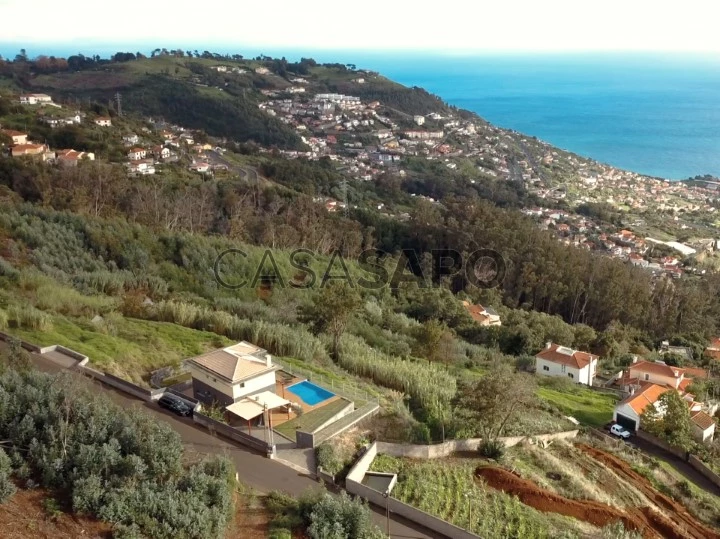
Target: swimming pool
310 393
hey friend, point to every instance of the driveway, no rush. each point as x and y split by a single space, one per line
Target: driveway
681 466
253 469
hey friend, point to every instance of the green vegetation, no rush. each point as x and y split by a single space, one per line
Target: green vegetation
118 465
321 515
448 490
310 421
590 407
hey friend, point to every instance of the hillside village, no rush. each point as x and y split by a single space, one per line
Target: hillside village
367 140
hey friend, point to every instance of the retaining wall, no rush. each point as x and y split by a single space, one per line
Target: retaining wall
703 469
353 484
453 446
233 434
307 439
345 423
26 345
662 444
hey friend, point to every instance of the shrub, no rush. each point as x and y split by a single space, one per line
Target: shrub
327 458
280 533
492 449
28 317
3 319
122 466
684 488
421 433
340 517
7 487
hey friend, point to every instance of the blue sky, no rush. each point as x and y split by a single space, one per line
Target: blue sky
451 26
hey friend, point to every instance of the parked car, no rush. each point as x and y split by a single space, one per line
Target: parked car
175 404
619 430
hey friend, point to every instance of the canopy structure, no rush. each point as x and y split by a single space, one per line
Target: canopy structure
254 405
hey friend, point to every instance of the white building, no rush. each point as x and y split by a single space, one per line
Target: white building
419 120
556 360
230 374
35 99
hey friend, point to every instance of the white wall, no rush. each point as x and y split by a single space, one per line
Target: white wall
213 381
254 385
627 411
581 376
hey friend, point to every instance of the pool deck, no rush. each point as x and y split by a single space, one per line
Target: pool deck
281 384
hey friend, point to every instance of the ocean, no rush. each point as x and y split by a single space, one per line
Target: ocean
650 113
657 115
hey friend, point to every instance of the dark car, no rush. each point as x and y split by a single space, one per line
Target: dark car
175 404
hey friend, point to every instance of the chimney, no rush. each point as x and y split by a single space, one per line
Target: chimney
268 360
635 358
548 345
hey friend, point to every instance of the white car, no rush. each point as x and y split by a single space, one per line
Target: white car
619 430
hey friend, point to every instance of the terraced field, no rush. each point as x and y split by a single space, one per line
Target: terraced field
448 490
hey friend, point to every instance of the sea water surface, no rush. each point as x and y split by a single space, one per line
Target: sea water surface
657 114
654 114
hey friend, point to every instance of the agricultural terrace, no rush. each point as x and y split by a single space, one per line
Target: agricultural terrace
448 490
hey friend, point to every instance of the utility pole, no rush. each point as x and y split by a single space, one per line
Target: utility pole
118 100
346 209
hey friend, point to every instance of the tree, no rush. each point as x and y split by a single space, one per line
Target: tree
433 338
331 311
669 419
496 398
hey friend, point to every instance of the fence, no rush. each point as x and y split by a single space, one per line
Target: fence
339 388
233 434
353 484
449 447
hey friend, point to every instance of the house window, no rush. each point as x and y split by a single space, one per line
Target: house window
546 368
570 375
647 377
563 368
242 384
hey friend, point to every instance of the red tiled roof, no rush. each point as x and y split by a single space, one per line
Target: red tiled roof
702 420
648 394
694 372
13 133
656 368
566 356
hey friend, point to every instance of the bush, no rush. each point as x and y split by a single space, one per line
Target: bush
3 319
327 459
121 466
339 517
492 449
684 488
280 533
7 487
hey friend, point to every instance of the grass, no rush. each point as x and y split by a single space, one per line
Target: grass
587 406
447 489
310 421
136 348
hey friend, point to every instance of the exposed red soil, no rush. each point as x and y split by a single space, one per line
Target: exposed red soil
679 516
645 520
23 516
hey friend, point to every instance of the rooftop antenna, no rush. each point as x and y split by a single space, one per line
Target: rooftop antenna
118 100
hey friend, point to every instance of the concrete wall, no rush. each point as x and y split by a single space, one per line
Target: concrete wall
233 434
26 345
703 469
339 426
681 453
307 439
353 484
452 446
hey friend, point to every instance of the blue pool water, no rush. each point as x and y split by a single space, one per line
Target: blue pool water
310 393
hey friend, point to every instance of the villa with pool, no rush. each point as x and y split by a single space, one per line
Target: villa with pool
258 394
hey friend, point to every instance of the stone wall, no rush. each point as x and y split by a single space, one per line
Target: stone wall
453 446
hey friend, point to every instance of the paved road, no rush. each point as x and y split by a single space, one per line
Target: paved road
249 174
681 466
254 469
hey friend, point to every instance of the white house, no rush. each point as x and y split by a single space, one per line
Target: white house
136 154
703 426
628 411
132 138
485 316
35 99
230 374
17 137
103 121
556 360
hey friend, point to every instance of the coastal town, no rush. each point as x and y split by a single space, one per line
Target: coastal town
367 140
